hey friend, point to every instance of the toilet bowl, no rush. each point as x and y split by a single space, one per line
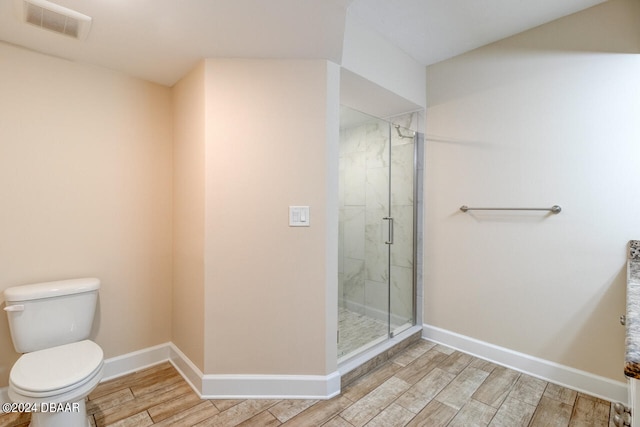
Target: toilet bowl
49 323
55 381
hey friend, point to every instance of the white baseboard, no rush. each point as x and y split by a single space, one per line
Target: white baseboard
327 386
595 385
220 386
271 386
255 386
128 363
228 386
187 369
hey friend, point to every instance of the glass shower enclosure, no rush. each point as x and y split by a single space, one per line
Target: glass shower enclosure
376 232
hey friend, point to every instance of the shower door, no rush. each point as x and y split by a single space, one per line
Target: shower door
376 294
403 242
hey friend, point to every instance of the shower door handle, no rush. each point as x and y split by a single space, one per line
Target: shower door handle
390 219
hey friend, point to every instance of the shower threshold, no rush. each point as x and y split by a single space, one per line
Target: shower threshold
358 363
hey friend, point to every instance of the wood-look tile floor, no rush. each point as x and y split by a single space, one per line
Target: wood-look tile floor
425 385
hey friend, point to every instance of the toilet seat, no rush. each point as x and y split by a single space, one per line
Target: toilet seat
56 370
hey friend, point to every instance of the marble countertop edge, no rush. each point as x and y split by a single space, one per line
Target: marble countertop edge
632 340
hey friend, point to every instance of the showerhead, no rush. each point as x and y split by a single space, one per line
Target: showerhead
413 134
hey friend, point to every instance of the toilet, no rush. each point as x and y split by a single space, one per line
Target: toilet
50 323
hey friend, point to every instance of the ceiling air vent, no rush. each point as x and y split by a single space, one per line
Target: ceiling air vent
51 16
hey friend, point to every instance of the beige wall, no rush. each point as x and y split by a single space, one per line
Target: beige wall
546 117
85 190
188 215
88 172
266 283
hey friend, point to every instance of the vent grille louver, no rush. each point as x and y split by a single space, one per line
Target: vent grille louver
53 17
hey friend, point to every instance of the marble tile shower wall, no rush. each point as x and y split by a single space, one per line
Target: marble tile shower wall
364 201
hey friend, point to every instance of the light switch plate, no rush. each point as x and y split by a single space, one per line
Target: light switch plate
299 216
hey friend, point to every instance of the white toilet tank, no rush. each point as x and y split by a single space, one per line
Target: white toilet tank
49 314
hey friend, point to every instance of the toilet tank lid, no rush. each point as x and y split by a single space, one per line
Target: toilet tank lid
51 289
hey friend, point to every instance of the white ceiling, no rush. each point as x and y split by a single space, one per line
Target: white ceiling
435 30
161 40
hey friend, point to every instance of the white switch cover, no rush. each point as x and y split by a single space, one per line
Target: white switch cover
298 216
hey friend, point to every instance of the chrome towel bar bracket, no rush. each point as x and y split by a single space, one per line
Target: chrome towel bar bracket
553 209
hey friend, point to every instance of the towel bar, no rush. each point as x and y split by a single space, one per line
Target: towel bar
554 209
